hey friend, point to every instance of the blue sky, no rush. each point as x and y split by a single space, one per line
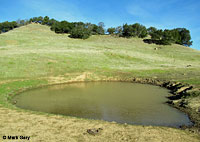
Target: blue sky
159 13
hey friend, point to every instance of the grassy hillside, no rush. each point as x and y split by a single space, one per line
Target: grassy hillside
33 55
35 51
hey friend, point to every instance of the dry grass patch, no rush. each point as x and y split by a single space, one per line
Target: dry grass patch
54 128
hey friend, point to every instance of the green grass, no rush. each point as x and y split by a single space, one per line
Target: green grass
34 51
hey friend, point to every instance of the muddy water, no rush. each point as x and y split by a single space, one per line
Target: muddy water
111 101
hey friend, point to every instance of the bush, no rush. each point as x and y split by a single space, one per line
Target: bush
7 26
62 27
111 31
180 36
134 30
80 32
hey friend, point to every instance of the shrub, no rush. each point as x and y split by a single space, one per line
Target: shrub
134 30
80 32
111 31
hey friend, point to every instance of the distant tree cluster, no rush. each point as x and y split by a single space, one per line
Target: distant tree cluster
85 30
166 37
43 20
162 37
135 30
75 29
22 22
78 29
7 26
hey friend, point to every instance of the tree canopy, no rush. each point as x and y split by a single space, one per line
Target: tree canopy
135 30
80 32
166 37
85 30
7 26
111 30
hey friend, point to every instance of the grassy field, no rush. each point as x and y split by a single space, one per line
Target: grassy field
32 56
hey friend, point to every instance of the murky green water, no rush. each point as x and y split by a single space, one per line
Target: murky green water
111 101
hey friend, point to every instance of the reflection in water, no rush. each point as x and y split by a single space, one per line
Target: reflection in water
111 101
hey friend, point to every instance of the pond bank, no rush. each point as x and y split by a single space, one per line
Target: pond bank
181 92
74 129
181 98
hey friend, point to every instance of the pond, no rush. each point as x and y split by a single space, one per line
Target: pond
122 102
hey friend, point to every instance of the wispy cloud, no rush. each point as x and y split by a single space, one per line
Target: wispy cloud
138 11
144 9
59 9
